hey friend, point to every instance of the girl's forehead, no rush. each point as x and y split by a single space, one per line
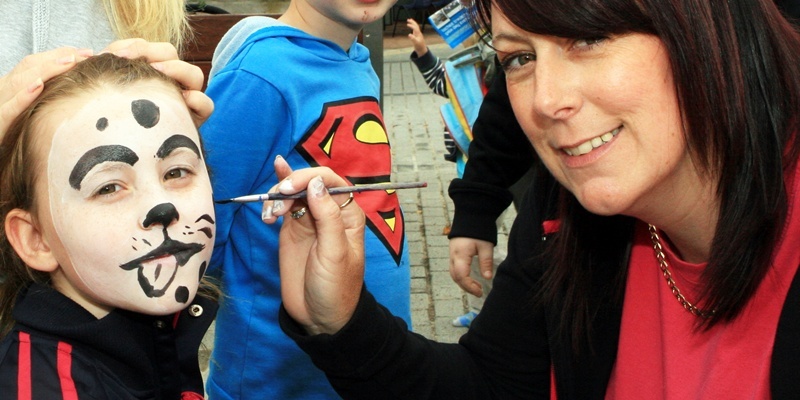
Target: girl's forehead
112 114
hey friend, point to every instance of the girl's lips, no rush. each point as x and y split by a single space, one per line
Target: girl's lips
181 251
591 144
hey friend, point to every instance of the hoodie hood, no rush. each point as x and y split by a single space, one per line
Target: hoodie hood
253 29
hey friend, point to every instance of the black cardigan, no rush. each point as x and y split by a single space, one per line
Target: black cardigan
509 349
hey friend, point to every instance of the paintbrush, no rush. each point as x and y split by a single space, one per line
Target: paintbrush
335 190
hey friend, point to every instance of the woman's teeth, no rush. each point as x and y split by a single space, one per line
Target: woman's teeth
592 143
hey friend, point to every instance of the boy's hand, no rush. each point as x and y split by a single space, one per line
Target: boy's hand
416 37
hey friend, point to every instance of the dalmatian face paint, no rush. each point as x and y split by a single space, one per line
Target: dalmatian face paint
130 198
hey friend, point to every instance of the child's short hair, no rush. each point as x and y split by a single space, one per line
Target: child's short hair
19 168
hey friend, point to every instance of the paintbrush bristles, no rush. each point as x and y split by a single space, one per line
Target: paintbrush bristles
334 190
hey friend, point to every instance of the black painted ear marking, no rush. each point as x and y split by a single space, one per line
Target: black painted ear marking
182 294
146 113
203 268
101 124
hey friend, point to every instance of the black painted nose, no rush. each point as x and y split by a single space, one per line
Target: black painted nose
162 214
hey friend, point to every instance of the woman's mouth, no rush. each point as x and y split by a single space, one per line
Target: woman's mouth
592 143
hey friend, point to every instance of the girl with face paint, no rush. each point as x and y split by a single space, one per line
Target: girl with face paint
108 229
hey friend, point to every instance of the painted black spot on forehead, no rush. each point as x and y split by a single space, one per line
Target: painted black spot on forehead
101 124
146 113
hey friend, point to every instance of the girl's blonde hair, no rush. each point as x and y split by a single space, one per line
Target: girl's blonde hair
152 20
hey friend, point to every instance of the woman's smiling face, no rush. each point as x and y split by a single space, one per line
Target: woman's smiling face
602 113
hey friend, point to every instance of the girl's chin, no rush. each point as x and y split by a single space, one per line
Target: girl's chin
158 309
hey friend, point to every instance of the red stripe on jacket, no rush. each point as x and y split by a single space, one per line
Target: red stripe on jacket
24 371
64 365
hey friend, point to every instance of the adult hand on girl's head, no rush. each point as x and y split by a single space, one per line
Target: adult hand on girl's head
164 57
24 83
321 253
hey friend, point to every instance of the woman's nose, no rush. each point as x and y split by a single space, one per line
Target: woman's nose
163 214
555 93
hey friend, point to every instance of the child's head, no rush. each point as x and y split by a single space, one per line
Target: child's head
104 192
336 20
359 12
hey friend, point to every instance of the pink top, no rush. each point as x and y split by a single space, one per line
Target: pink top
661 353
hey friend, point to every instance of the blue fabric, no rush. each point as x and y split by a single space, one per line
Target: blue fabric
465 81
465 91
284 92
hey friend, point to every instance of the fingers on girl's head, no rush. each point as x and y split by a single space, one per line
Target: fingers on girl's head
44 66
200 105
10 109
135 48
188 75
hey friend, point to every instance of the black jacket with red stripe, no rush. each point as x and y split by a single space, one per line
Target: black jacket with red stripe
57 349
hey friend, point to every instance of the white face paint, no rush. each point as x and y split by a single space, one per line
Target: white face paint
130 198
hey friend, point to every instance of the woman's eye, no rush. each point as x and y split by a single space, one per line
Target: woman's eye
517 60
176 173
588 42
108 189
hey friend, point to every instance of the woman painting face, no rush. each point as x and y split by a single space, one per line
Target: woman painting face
602 114
129 199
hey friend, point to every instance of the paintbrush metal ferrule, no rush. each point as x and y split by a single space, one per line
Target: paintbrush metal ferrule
334 190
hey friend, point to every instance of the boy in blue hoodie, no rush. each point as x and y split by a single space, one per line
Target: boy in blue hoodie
300 87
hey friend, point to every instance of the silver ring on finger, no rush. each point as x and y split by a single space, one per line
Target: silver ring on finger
298 214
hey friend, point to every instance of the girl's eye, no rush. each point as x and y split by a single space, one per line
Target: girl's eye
108 189
517 60
176 173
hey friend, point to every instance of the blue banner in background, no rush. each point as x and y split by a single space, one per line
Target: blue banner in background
452 23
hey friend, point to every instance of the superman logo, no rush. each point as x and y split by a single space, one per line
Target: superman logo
349 137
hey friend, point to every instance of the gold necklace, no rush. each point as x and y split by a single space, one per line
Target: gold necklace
662 263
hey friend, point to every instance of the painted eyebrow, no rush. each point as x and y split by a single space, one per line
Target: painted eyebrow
175 141
99 155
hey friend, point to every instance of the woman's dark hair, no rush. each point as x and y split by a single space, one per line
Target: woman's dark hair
736 67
